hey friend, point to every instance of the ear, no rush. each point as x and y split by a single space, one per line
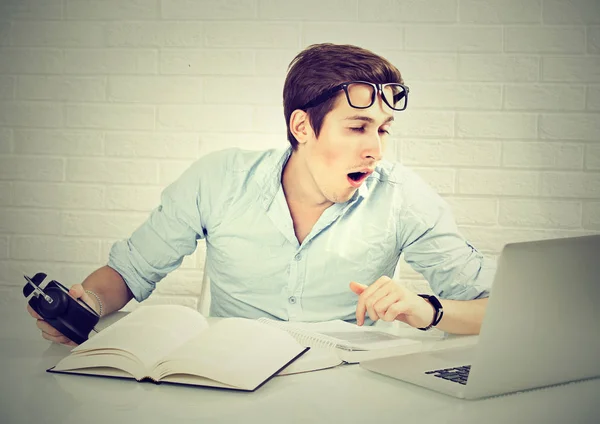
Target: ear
300 126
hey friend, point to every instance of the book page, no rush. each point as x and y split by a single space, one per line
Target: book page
149 332
239 352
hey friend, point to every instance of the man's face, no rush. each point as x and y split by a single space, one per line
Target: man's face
349 146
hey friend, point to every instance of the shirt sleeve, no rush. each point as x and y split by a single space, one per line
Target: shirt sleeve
171 231
432 245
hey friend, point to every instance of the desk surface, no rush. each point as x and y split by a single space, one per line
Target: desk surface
345 394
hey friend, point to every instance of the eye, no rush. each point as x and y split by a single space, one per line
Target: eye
384 131
358 129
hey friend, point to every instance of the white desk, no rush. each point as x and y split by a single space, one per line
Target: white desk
346 394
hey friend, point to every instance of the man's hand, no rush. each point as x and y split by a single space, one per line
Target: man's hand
388 301
50 333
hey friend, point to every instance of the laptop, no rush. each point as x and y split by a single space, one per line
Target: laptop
541 326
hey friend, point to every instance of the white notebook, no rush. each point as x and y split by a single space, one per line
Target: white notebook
335 342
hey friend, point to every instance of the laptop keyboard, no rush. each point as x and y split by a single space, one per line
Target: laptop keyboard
457 375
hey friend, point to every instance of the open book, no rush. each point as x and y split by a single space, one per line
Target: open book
335 342
174 344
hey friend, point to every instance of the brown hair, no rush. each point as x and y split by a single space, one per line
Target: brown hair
320 67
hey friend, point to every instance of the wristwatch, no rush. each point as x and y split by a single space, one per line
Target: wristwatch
439 310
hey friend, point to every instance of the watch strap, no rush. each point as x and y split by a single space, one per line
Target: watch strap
437 306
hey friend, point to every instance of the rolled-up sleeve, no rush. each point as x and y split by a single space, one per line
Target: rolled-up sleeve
170 233
433 246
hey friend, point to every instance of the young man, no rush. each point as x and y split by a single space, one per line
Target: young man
314 232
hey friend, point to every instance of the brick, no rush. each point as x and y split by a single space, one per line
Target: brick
155 34
112 171
98 224
500 11
544 97
473 211
455 96
540 213
492 240
453 38
593 98
14 168
6 140
424 66
59 142
244 90
451 152
152 145
571 185
32 9
208 9
498 182
7 87
268 119
112 116
57 34
31 222
593 39
205 118
3 247
5 34
544 40
112 9
210 142
132 198
5 193
206 62
592 157
571 12
111 61
432 11
54 249
61 196
31 61
155 89
253 35
374 37
570 126
34 87
542 155
591 216
425 124
273 62
571 69
501 68
309 10
496 125
440 179
169 171
31 114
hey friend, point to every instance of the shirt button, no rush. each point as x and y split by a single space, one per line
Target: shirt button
298 256
292 299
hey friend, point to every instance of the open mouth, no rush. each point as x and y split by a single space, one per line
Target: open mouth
356 178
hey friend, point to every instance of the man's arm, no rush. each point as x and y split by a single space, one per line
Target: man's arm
462 316
110 287
388 301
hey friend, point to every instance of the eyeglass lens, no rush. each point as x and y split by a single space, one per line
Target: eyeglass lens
361 95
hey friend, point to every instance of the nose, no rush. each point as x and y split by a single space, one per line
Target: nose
373 148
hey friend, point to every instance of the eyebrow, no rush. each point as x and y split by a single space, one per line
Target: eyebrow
366 119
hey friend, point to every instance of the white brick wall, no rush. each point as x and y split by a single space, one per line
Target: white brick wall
105 102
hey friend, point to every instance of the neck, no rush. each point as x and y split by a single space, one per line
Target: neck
299 185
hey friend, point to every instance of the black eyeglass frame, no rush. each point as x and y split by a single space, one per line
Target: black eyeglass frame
377 89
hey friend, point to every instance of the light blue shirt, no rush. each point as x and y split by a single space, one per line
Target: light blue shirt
234 200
